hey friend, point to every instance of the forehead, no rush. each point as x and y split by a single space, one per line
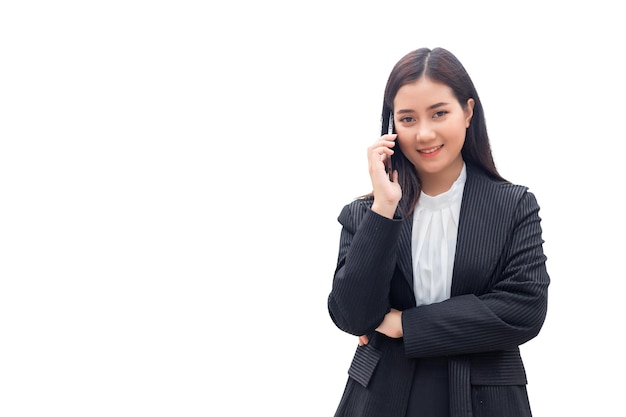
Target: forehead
423 92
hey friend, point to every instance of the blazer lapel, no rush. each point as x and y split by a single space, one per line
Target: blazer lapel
484 224
471 233
405 257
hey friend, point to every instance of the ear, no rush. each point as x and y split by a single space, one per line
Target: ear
469 111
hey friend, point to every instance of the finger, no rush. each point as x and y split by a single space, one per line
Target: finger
381 152
385 140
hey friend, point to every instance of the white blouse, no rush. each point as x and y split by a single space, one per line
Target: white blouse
435 226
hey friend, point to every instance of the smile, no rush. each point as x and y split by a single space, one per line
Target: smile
431 150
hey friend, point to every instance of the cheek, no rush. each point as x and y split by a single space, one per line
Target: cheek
456 131
404 143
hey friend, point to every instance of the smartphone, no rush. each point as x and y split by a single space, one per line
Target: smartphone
388 160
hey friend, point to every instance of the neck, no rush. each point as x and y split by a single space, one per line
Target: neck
434 184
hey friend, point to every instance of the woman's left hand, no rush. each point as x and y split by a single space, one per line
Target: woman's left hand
392 324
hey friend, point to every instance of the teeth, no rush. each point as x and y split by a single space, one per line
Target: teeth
431 150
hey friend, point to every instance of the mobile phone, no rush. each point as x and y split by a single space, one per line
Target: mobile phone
388 160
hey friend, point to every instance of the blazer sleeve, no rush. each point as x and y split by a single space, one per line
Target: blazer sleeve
359 298
508 314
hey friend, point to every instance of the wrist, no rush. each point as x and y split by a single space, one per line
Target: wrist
384 209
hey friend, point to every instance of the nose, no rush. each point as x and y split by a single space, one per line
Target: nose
425 132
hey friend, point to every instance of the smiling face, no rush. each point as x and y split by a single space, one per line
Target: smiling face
431 126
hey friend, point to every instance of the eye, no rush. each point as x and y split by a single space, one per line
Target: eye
440 113
407 119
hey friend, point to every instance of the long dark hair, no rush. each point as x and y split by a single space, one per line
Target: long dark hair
442 66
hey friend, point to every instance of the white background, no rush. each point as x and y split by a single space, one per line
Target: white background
171 174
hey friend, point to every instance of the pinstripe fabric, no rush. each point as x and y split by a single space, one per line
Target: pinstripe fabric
503 401
364 362
460 394
499 301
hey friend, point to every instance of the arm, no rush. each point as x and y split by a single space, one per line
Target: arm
508 315
359 298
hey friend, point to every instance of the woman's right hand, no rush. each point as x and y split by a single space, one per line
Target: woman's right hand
387 191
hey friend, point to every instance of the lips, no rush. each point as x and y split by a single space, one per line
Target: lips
430 151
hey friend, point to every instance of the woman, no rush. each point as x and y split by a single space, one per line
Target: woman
441 272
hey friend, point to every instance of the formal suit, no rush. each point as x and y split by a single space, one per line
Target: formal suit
498 302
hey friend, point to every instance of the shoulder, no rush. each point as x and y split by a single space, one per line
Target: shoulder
493 197
359 212
354 212
479 182
359 204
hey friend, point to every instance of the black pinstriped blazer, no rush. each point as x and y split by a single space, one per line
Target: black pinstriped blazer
498 302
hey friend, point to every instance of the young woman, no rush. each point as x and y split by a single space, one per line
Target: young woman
441 272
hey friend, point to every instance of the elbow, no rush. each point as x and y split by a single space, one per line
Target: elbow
355 321
539 319
534 323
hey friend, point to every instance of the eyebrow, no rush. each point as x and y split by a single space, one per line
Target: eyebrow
434 106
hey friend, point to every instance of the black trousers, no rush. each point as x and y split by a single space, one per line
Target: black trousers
430 389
